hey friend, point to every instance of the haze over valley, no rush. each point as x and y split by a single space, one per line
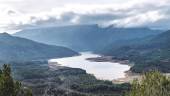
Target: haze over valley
84 48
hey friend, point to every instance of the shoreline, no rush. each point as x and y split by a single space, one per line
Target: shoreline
109 59
129 76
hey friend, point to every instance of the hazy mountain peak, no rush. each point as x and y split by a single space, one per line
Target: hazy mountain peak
4 34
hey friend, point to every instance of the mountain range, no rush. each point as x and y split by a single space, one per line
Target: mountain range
85 37
148 49
14 48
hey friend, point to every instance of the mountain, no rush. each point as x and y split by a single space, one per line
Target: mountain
84 37
149 53
19 49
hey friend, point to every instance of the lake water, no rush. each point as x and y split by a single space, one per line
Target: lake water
101 70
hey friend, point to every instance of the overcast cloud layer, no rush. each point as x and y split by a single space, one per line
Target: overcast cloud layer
24 14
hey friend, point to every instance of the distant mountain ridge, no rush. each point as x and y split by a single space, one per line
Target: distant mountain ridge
84 37
19 49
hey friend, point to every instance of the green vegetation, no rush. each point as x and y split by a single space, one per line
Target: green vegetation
152 84
147 54
76 82
9 87
88 84
63 81
20 49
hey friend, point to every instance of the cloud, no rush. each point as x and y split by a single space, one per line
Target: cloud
142 19
131 13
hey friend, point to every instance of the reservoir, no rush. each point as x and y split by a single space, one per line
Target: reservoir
101 70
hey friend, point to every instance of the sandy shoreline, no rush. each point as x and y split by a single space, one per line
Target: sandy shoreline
129 76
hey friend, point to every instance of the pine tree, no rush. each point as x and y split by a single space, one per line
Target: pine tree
10 87
151 84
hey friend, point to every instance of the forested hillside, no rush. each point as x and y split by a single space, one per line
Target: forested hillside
147 53
19 49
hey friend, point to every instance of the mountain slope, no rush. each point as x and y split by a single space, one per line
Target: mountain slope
20 49
154 53
84 37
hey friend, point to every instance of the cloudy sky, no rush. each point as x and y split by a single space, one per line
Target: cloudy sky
25 14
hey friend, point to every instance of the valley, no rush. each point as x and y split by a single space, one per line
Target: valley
96 66
103 70
30 65
84 48
147 49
